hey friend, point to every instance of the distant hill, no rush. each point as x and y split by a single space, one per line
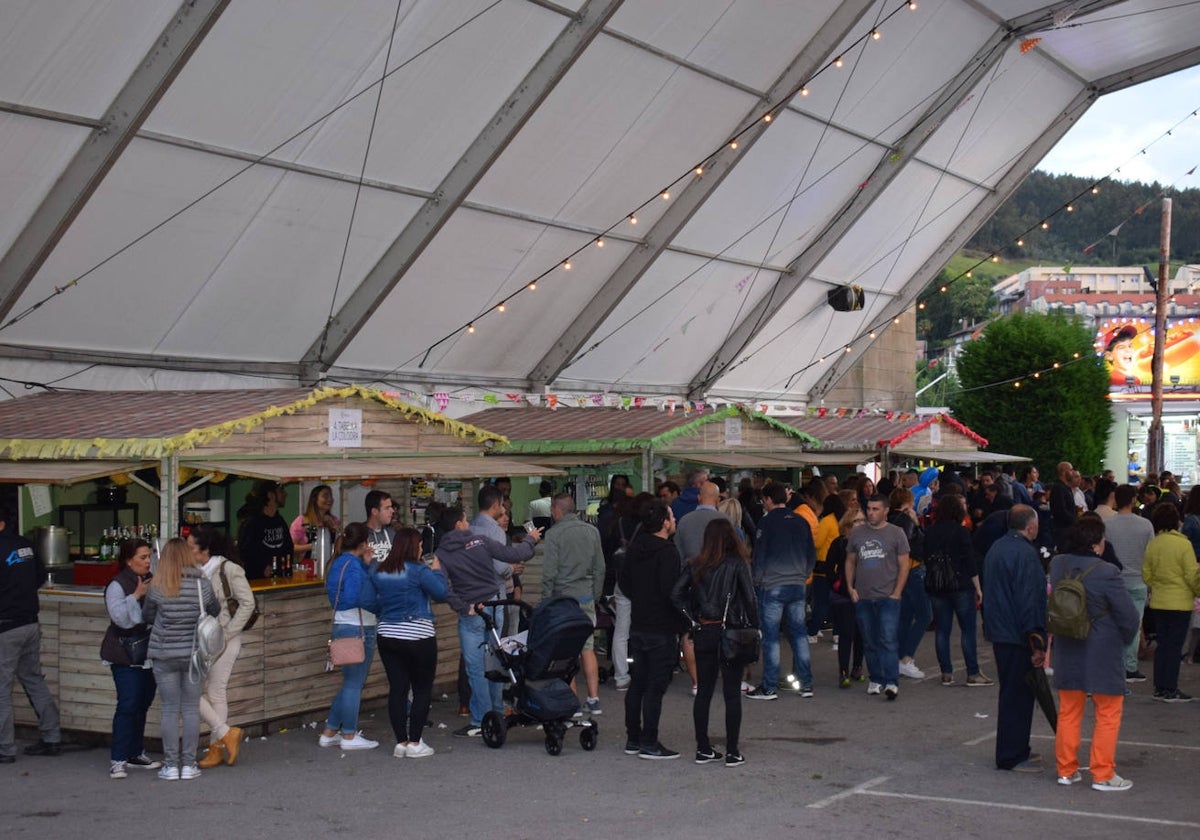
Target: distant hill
1093 217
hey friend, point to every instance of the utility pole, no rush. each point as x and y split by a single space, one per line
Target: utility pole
1154 457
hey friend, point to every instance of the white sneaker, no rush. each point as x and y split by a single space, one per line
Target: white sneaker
191 771
910 670
358 742
116 770
168 773
330 740
1115 783
401 751
874 688
419 750
1072 779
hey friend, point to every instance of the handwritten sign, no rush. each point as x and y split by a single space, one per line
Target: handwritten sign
345 427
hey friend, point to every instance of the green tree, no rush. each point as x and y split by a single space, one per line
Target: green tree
966 299
1061 415
942 384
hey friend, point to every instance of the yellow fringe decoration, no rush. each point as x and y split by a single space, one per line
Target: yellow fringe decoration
153 448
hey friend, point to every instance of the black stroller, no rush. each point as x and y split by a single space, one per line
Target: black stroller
538 671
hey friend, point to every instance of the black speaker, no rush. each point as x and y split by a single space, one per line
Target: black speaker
846 298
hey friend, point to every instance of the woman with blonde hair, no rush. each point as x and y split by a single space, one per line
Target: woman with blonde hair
178 596
209 549
316 515
732 509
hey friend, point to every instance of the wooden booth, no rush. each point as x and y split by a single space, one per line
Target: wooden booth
195 440
588 440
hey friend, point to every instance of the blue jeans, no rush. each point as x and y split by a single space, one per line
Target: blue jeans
878 619
915 613
486 696
773 605
1137 592
343 712
946 606
135 693
820 604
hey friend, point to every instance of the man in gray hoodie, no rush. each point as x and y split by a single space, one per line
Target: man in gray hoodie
467 559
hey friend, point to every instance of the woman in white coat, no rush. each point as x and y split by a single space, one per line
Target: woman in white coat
211 549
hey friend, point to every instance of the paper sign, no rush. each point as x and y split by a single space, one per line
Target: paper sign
733 431
39 499
345 427
935 434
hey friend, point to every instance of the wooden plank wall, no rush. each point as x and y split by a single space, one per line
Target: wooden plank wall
756 436
280 672
307 433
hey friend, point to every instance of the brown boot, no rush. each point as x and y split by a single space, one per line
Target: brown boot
214 756
232 742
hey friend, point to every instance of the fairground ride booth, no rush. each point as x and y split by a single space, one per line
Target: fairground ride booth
163 455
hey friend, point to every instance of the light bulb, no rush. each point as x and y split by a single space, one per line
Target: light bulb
896 320
1020 243
804 91
837 62
871 334
532 286
912 5
1045 226
921 305
632 219
665 196
566 265
847 348
968 274
875 35
766 117
1095 190
733 144
600 243
699 170
943 289
500 308
995 258
821 360
1017 384
1070 208
470 328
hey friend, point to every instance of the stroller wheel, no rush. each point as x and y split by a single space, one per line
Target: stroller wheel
554 743
493 730
588 737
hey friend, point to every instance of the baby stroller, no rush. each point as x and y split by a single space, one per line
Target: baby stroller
538 666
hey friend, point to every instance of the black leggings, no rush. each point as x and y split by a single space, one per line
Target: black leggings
708 665
846 629
409 664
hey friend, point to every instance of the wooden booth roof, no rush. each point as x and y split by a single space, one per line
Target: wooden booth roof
863 434
152 424
618 430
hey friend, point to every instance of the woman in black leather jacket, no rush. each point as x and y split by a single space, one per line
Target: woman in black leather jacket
717 588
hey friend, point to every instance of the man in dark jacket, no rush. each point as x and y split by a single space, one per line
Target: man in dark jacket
1063 510
784 556
21 574
647 577
471 572
1014 616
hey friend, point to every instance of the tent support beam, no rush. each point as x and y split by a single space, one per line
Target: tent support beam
79 180
983 211
495 137
1148 71
889 166
692 197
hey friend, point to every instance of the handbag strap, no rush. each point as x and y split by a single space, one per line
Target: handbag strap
224 580
362 634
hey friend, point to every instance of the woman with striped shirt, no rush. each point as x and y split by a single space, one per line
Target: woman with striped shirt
407 639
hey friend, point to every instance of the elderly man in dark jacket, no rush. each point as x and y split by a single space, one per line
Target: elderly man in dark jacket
1096 665
1014 617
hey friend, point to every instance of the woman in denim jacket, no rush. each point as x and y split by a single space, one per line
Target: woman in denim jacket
352 596
407 638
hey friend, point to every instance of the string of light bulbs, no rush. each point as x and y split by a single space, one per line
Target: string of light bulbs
664 193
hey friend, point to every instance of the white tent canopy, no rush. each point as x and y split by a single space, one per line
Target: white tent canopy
183 205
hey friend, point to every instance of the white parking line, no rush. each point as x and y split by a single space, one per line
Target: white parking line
1012 807
837 797
1123 743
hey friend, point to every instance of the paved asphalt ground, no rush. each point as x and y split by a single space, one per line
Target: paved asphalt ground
841 764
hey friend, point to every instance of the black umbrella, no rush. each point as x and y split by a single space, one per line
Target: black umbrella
1039 683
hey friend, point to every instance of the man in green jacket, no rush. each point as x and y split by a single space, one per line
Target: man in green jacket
573 566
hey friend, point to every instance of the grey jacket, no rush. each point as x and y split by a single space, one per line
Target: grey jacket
173 620
573 561
1095 664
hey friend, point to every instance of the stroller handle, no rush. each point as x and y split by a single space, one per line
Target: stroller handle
526 609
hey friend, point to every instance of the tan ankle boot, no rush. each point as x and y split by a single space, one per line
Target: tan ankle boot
232 742
213 757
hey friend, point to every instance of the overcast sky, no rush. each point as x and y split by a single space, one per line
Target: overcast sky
1120 125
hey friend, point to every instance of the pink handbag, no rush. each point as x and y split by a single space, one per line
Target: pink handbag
350 650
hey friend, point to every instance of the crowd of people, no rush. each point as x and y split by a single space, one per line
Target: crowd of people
674 575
